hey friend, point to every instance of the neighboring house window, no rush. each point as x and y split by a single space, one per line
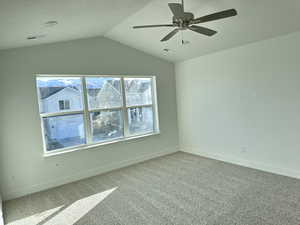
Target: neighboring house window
64 104
103 109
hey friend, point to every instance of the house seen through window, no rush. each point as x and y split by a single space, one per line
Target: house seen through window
103 109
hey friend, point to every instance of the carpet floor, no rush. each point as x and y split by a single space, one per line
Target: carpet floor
178 189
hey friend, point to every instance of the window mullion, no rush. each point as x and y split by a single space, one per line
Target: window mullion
125 117
87 122
140 106
65 113
43 135
106 109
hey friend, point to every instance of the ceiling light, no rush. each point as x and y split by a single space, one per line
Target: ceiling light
50 23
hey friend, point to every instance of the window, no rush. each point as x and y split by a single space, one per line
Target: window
139 106
103 110
64 104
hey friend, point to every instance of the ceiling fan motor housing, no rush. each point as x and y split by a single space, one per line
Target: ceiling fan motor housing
184 20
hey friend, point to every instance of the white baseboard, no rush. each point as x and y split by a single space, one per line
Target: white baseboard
245 163
19 192
1 213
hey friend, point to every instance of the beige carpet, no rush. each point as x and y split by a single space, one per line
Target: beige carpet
178 189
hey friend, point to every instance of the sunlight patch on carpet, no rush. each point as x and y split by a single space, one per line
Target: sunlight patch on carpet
67 216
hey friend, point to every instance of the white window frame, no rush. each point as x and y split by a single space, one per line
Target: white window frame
86 113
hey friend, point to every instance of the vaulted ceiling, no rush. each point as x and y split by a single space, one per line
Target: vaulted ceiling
256 20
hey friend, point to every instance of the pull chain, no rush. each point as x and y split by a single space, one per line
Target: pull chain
182 41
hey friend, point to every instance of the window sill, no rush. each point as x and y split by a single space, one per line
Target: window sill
90 146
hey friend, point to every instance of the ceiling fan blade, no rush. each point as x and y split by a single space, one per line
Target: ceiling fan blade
202 30
170 35
177 9
215 16
152 26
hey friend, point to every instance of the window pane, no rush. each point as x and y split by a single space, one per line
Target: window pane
64 131
67 104
106 125
55 91
140 120
61 105
138 91
104 92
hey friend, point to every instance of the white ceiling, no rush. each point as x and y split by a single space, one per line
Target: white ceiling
257 20
77 19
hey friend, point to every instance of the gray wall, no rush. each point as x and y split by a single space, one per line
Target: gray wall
23 169
242 105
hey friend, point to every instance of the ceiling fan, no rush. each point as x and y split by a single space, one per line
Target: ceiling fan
186 21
